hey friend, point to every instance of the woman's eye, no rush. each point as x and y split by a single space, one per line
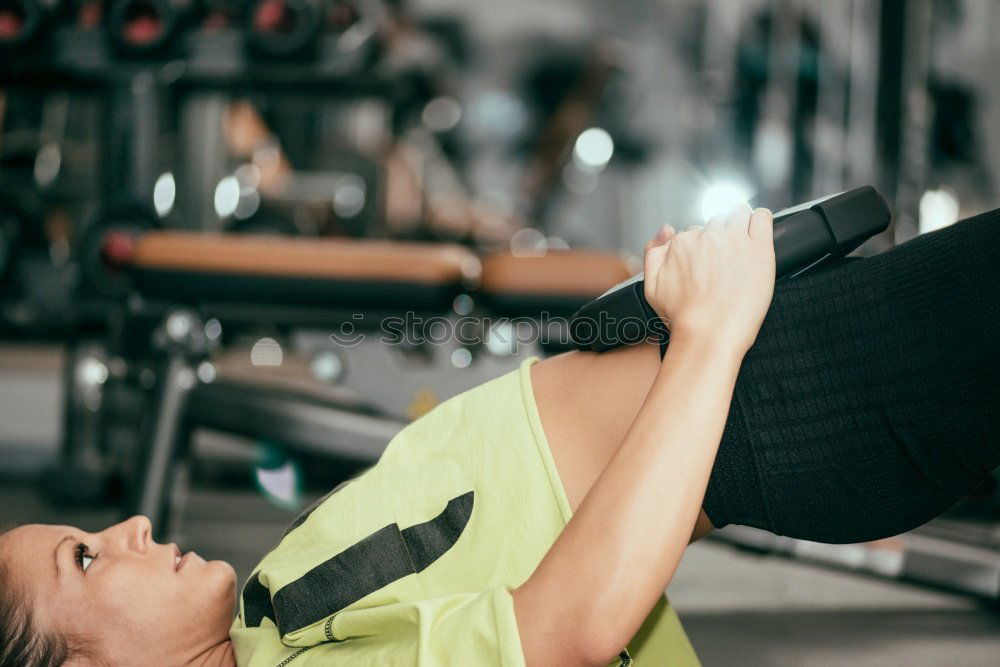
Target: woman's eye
83 557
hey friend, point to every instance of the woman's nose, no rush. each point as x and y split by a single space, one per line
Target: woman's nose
136 533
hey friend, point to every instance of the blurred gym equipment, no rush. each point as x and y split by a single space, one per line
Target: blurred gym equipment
187 289
288 29
150 66
24 24
146 27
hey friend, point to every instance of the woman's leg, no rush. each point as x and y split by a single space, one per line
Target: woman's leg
871 400
869 404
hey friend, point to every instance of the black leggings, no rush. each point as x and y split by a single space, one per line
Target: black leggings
870 402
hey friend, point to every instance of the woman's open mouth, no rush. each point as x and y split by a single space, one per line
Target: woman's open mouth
178 558
182 560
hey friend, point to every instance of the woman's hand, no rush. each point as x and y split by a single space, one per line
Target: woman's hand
714 283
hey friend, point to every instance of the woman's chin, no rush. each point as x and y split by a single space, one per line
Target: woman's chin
225 570
217 576
224 586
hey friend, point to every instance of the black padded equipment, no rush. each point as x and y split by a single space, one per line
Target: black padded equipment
805 236
342 300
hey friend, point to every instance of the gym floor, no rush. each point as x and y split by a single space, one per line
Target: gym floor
739 608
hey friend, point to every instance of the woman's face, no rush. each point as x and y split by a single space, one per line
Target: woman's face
120 591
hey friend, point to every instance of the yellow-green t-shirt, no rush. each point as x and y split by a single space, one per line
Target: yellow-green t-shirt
413 562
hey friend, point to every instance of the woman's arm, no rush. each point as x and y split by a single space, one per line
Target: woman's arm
607 569
597 583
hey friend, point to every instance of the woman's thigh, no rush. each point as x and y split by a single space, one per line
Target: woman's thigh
870 401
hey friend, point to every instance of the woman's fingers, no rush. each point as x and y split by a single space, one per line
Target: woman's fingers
762 225
654 260
665 233
715 222
739 216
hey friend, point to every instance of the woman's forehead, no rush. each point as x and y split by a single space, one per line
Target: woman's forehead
32 540
28 553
